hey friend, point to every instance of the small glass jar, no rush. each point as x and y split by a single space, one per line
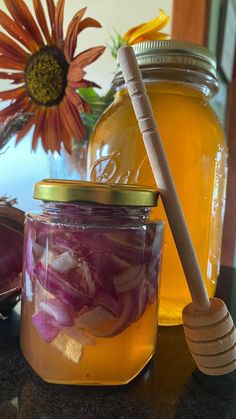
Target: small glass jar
91 282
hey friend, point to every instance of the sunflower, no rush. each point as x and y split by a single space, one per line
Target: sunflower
43 64
148 31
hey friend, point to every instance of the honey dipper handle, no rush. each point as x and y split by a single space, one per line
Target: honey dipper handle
162 174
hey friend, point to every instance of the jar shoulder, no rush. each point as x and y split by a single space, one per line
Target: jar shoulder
171 109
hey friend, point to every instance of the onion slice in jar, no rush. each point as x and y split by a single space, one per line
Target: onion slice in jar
105 244
100 322
59 311
64 262
40 294
130 254
94 320
104 299
103 271
69 347
55 284
79 335
84 267
125 319
28 287
130 278
140 295
46 326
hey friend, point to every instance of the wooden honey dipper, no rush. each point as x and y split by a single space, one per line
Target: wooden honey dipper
208 325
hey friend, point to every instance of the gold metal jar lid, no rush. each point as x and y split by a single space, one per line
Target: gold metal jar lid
98 193
174 53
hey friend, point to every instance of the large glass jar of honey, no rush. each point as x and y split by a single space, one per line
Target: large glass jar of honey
180 78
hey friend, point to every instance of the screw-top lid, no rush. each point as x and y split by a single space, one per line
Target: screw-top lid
174 54
98 193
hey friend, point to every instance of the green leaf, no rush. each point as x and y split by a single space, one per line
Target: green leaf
98 105
116 42
89 95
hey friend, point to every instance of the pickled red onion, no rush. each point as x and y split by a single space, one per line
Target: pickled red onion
94 320
59 311
100 281
130 278
46 326
104 299
69 347
64 262
100 322
79 335
64 291
28 287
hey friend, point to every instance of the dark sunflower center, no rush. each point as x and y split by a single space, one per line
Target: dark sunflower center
45 76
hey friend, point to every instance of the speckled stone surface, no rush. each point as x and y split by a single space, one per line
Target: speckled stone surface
169 387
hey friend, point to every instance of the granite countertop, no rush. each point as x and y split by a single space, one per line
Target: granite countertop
169 387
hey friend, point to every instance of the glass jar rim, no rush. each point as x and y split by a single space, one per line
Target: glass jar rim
60 190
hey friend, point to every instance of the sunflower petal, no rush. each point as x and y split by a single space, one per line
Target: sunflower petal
15 77
130 32
7 44
51 138
73 121
77 101
72 96
49 130
43 139
20 12
58 133
66 137
39 115
86 108
145 29
51 135
51 13
155 36
9 56
82 83
87 57
17 32
20 105
67 142
24 131
12 94
72 32
47 124
88 22
45 144
11 64
75 74
74 85
59 18
39 12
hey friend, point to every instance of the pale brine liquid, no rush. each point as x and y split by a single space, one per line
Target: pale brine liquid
195 146
111 361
